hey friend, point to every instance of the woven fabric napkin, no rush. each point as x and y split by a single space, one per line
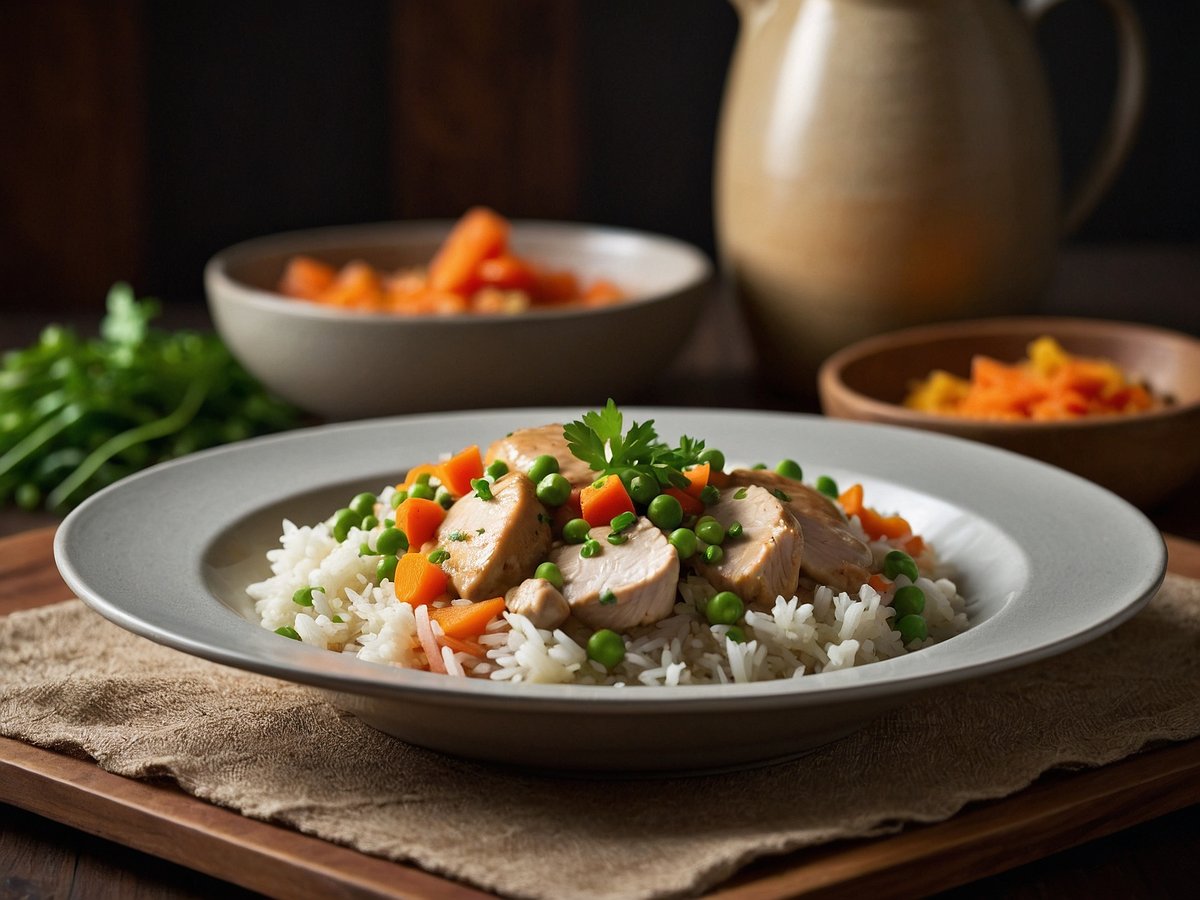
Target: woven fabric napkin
71 682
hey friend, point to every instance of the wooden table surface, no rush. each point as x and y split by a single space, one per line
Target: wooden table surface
1160 858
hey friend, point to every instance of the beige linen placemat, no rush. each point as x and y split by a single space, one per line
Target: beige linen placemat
72 682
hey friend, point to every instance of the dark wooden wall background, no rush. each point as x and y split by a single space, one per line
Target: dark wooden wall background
138 138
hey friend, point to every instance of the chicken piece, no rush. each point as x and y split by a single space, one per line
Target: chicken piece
624 585
522 447
539 601
494 544
764 561
833 555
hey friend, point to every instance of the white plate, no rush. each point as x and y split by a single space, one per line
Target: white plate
1046 560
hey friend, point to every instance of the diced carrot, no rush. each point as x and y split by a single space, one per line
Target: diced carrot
357 285
881 584
875 525
458 471
506 272
698 476
419 519
555 287
915 546
417 581
431 469
600 293
600 505
691 505
474 648
852 499
478 235
306 278
467 621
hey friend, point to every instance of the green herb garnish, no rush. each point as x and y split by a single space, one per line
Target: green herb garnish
77 414
598 439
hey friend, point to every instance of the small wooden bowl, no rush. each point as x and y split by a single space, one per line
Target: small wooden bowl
1142 457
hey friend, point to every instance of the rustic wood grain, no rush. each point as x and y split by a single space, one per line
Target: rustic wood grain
72 220
1062 810
485 107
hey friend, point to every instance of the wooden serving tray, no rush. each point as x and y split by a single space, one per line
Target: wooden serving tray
1059 811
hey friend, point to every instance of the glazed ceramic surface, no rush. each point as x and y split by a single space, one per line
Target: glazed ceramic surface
349 364
886 164
150 556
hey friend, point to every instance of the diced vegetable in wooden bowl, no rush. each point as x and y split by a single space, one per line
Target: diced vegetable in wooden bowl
1115 402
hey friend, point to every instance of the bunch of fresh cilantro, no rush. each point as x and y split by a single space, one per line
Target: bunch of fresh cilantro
77 414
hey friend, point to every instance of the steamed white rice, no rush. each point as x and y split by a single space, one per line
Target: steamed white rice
796 637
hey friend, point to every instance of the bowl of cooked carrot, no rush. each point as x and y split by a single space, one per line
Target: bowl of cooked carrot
1115 402
359 321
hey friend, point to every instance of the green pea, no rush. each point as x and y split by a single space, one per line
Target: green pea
715 459
665 511
363 504
343 521
386 568
289 632
606 647
368 523
710 531
553 490
423 478
725 608
443 498
912 628
623 521
734 530
789 468
542 466
364 549
398 497
548 571
758 467
304 596
576 531
897 562
736 634
390 541
684 542
643 489
709 495
713 553
422 491
828 487
497 468
616 538
590 548
908 601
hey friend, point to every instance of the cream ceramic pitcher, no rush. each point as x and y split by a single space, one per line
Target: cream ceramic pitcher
885 163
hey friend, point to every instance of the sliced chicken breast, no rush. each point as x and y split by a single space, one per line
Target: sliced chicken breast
522 447
539 601
494 544
630 584
833 555
764 561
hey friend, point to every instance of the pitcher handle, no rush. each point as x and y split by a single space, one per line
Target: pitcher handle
1124 117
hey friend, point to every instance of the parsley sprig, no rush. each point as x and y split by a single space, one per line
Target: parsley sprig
598 438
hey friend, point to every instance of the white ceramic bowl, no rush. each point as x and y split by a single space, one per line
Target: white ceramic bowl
346 364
